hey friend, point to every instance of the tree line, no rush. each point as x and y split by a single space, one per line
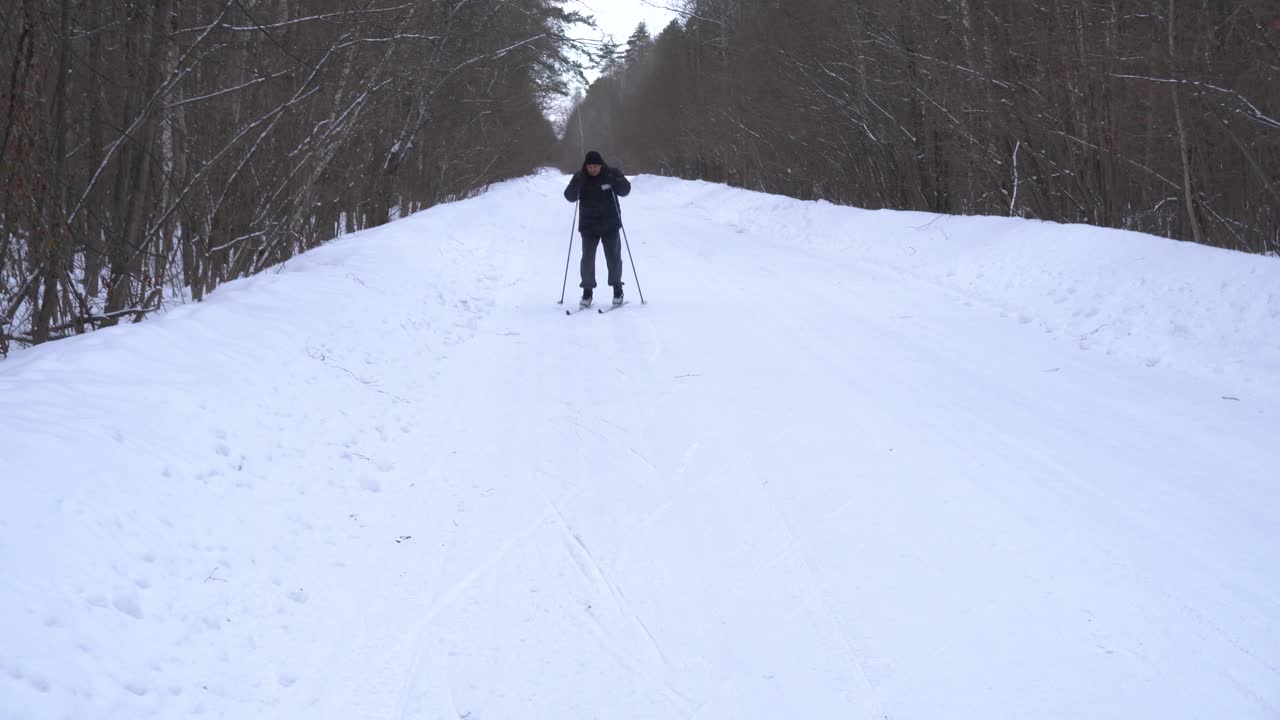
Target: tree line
153 149
1161 116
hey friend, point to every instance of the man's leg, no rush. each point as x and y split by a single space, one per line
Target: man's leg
588 265
613 258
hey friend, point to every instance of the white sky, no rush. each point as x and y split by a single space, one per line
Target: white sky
620 17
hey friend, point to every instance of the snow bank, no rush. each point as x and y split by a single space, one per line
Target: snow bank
185 503
370 483
1150 300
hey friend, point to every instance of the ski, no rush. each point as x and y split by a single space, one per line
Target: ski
611 308
576 310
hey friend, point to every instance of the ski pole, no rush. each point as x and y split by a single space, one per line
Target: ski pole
565 284
634 273
633 265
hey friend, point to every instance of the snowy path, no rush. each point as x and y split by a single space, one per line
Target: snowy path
800 482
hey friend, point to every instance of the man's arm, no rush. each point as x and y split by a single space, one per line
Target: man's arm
621 185
574 189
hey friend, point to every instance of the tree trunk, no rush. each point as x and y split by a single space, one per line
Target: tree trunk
1183 152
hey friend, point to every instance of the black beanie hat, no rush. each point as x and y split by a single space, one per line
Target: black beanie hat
593 158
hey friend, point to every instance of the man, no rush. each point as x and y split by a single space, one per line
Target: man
596 188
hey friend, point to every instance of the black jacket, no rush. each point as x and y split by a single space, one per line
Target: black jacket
598 209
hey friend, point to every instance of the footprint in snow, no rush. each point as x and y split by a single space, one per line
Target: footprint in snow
38 684
128 603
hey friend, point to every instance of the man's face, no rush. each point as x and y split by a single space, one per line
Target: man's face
594 170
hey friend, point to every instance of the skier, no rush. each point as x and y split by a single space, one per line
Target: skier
596 188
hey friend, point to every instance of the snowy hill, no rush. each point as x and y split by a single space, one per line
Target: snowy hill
842 464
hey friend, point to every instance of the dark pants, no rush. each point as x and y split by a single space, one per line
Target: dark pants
612 258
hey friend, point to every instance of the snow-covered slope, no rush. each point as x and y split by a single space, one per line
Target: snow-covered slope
843 464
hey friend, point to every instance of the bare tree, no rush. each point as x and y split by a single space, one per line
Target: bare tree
1153 115
154 149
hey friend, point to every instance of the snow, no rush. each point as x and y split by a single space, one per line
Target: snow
843 463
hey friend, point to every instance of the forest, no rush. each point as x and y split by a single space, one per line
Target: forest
151 150
1160 116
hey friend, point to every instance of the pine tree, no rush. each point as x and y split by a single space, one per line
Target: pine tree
638 45
609 58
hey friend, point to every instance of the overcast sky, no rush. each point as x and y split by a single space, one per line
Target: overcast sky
620 17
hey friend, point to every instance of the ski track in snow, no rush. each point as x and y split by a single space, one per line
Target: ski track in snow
842 464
